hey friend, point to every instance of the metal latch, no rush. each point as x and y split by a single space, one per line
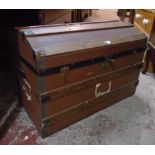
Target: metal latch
107 63
104 65
64 70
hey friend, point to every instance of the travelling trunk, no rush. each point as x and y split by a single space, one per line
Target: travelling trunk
68 72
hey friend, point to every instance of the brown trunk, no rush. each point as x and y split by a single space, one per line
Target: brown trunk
68 72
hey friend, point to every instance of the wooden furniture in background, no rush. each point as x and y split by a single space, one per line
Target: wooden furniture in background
15 18
79 15
145 22
126 13
149 59
9 20
55 16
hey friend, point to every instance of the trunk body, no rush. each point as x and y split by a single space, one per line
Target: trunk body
68 72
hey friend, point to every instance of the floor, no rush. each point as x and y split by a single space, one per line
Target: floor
103 15
130 121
